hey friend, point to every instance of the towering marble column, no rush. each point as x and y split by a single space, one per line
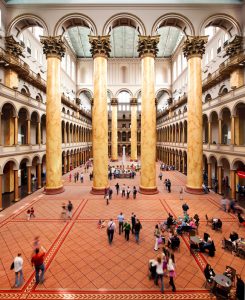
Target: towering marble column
54 49
114 154
100 48
147 48
133 103
194 48
209 175
39 175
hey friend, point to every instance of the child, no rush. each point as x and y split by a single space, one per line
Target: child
28 214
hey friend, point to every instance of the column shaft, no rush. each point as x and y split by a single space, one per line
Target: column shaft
114 154
1 199
134 130
39 133
220 180
209 175
16 130
16 186
29 180
148 127
28 132
39 176
233 184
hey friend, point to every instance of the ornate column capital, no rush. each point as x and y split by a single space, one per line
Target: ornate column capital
100 45
114 101
234 46
13 47
133 101
194 46
147 45
53 46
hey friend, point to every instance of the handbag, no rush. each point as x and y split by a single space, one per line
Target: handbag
12 266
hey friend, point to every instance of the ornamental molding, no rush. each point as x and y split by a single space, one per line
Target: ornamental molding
100 45
234 46
194 46
133 101
53 46
13 47
114 101
147 45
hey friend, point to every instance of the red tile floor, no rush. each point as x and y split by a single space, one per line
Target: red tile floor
81 265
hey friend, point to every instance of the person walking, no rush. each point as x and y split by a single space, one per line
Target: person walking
181 193
81 177
127 228
111 228
69 210
38 262
63 211
128 192
117 188
137 228
134 192
110 193
166 183
171 270
157 235
169 186
159 271
123 190
107 197
70 176
185 208
133 220
120 219
18 266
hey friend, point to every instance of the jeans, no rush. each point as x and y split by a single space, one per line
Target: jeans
18 278
110 235
161 278
171 282
127 235
38 269
120 227
137 236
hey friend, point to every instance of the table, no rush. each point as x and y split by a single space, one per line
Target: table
222 280
195 240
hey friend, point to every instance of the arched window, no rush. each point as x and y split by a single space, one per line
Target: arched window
28 46
179 65
124 74
174 71
219 43
68 65
63 63
25 91
73 71
208 98
206 59
212 54
226 37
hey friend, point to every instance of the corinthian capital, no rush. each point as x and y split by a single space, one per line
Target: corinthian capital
234 46
194 46
147 45
114 101
13 47
53 46
100 45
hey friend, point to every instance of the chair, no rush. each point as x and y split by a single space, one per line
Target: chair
210 221
205 236
233 274
241 252
228 245
192 232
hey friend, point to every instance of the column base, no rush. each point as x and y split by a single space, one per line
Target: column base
98 191
148 191
196 191
29 193
113 160
16 200
133 160
53 191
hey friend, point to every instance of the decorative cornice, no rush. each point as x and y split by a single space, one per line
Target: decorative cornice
13 47
194 46
100 45
53 46
147 45
114 101
133 101
234 46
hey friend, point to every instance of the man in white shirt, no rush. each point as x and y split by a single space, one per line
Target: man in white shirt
120 219
18 264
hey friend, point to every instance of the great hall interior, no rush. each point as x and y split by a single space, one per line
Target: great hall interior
150 88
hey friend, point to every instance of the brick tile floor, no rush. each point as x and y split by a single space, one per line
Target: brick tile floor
79 260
